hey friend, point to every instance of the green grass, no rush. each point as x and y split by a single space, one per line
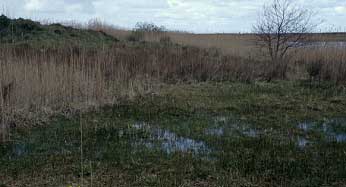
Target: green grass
51 155
25 32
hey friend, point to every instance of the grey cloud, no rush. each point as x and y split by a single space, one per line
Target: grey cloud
190 15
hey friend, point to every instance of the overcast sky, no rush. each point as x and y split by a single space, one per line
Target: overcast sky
200 16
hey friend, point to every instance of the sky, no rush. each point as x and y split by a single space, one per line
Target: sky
198 16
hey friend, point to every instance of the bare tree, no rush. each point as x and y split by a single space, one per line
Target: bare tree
282 25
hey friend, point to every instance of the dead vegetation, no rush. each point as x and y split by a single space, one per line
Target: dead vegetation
37 83
40 82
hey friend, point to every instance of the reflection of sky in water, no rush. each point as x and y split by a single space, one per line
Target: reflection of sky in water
169 142
337 44
302 142
223 123
221 119
340 137
305 126
19 150
251 133
215 131
244 131
328 129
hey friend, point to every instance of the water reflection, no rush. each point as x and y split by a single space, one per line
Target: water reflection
302 142
19 149
226 126
250 132
215 131
168 141
335 44
334 130
305 126
340 138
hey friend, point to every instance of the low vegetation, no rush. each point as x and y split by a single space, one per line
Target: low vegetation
114 151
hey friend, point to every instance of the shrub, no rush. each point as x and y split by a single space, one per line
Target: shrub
143 29
4 22
23 25
314 69
149 27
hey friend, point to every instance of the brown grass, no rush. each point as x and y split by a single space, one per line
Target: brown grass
332 62
36 84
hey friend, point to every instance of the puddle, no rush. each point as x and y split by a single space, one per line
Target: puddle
302 142
334 130
215 131
141 125
232 127
305 126
19 150
221 119
340 138
233 131
251 133
168 141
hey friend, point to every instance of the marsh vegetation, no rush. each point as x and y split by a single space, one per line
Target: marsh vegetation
93 105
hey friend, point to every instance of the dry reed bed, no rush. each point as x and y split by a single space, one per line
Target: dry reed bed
323 63
36 83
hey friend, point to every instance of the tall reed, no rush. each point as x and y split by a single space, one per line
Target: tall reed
54 80
36 83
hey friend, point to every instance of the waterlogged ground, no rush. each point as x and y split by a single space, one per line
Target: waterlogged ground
230 134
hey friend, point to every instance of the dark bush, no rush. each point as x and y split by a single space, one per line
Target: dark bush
23 25
4 22
314 69
58 32
149 27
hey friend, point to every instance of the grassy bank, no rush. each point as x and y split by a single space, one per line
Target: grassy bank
229 134
28 33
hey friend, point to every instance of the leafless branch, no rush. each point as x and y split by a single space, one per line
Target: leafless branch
282 25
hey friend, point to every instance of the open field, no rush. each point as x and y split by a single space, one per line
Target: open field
94 107
238 44
243 45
